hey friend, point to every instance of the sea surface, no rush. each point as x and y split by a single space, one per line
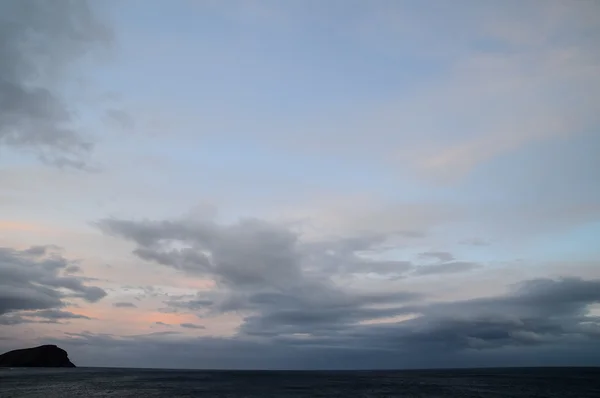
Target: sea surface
145 383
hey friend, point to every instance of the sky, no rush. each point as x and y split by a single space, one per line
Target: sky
305 184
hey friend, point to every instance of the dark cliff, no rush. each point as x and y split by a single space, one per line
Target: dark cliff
45 356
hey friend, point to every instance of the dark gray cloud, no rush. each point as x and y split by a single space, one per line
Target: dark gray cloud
265 270
250 253
191 326
161 324
35 279
124 305
39 40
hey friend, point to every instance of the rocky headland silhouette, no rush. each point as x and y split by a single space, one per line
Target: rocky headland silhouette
44 356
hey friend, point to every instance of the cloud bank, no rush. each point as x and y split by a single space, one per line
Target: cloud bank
287 292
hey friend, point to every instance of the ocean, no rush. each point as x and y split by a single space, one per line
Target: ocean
146 383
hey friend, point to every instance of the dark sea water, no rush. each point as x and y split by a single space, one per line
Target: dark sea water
97 382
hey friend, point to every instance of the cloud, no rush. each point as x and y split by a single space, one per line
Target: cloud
281 284
251 257
545 56
190 305
539 311
31 279
124 305
537 322
73 269
40 41
191 326
525 74
534 312
446 268
251 253
408 221
287 289
439 256
57 314
120 118
475 242
43 316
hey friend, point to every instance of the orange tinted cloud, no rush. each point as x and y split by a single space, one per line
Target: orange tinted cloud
22 226
127 320
133 316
